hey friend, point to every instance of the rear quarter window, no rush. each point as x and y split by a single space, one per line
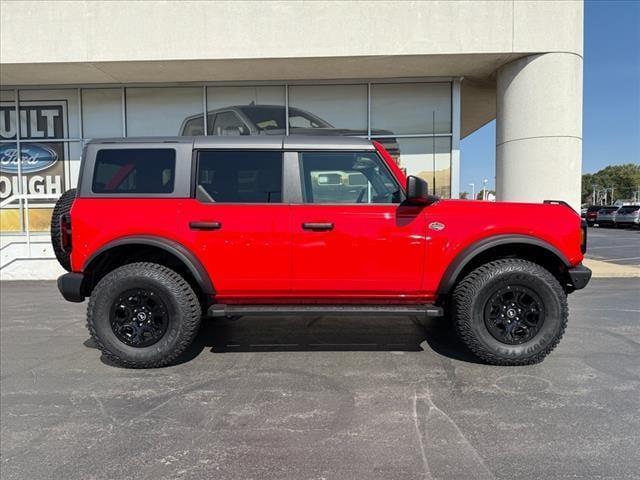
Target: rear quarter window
134 171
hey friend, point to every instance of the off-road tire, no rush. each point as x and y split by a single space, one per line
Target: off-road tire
62 207
181 301
470 298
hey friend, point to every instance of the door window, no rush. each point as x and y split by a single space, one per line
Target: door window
228 123
347 177
239 177
193 127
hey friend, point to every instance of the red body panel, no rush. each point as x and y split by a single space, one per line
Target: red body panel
468 222
364 255
249 254
374 253
98 221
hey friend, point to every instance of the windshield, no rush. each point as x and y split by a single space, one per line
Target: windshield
629 209
267 117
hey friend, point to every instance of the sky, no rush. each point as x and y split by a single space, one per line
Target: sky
611 123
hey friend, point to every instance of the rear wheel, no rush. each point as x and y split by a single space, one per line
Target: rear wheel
62 207
143 315
510 312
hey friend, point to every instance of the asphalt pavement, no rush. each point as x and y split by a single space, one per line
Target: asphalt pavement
311 398
615 245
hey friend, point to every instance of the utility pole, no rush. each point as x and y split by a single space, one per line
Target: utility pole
473 191
484 189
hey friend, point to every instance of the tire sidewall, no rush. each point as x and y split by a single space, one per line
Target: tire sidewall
107 292
553 314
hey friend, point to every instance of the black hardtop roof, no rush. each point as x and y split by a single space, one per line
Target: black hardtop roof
292 142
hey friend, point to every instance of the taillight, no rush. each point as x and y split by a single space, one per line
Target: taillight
65 233
583 236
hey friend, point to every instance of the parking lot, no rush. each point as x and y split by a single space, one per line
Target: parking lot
334 398
620 246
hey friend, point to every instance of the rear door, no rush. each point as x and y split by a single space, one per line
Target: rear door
352 238
238 224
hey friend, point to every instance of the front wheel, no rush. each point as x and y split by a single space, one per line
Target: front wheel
510 312
143 315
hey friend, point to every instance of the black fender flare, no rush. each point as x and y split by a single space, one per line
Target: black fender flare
469 253
194 265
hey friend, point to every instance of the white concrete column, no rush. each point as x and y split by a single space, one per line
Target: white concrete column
539 129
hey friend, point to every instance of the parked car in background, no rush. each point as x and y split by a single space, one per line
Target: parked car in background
607 216
255 119
592 214
628 216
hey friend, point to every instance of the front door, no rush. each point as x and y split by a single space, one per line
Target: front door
238 225
352 238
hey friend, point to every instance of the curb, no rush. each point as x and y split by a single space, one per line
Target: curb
602 269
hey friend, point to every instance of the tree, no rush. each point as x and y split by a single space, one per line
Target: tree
464 195
479 194
623 179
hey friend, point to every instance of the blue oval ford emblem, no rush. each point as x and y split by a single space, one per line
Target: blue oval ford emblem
35 157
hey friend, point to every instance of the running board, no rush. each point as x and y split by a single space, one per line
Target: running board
220 310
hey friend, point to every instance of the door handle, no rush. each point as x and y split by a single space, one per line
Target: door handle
317 227
205 225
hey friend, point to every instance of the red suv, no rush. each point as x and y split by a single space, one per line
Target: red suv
162 231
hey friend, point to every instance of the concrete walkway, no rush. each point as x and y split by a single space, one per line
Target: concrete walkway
602 269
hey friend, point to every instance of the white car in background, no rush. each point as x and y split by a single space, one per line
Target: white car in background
628 216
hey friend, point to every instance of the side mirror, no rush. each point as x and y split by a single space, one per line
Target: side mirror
417 190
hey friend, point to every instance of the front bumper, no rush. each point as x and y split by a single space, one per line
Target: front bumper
70 286
627 221
580 276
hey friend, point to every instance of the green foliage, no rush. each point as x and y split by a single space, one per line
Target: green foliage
479 194
624 179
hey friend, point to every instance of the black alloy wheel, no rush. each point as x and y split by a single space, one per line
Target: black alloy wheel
139 317
514 314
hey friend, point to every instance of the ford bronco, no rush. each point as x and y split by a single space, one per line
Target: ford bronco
161 232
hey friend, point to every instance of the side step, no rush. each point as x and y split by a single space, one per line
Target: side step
426 310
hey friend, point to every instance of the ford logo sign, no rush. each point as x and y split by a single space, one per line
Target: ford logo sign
35 157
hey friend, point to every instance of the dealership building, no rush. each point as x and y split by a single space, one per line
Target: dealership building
417 76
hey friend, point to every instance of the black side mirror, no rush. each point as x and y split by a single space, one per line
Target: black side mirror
417 190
